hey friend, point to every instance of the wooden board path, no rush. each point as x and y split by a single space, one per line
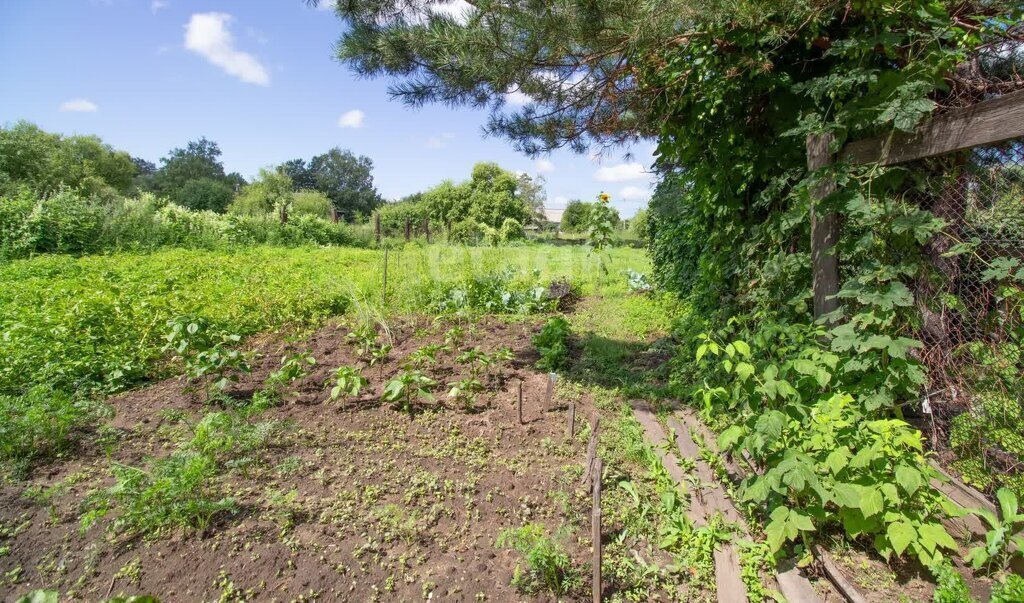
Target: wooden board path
728 583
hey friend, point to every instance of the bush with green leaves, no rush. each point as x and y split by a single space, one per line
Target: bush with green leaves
207 353
827 458
39 424
548 567
552 344
511 231
466 232
992 425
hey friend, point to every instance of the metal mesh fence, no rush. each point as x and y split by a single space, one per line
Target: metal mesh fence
971 305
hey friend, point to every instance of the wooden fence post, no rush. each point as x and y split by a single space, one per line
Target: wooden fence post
334 215
408 229
376 225
824 230
572 419
426 228
595 531
550 391
595 426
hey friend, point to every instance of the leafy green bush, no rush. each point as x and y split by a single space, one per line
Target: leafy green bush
223 436
1009 590
828 457
552 344
950 586
548 566
511 231
62 223
311 203
38 425
466 232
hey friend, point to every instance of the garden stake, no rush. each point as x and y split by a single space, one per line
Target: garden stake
595 426
552 377
572 419
595 531
384 293
520 404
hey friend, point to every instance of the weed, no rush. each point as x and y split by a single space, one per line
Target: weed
1005 531
206 352
548 566
38 425
950 586
176 492
552 345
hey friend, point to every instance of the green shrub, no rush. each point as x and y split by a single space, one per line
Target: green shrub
466 232
552 344
496 292
224 436
38 425
1010 590
311 203
994 422
511 231
205 194
62 223
548 566
950 586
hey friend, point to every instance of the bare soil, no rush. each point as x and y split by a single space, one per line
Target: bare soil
386 506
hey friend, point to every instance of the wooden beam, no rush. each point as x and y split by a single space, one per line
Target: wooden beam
824 230
988 122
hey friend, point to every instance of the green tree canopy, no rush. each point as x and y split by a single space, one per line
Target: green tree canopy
44 162
576 216
347 180
264 195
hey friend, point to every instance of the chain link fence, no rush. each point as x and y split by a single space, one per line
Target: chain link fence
971 305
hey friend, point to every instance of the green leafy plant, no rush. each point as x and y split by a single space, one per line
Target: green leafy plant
364 339
379 356
38 425
1005 531
1009 590
348 382
426 355
175 492
207 353
950 586
407 388
465 390
552 344
548 566
293 367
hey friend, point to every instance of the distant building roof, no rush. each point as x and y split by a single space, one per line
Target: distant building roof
553 215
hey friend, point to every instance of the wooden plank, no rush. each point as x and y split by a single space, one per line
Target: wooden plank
728 581
595 532
824 230
795 587
713 497
988 122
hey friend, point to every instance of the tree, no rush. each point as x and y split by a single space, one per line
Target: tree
266 194
205 194
45 162
530 191
302 178
576 216
347 180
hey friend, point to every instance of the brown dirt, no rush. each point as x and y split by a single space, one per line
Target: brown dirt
387 507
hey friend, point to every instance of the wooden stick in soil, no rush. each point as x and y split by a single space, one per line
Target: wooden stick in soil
384 292
549 392
520 403
572 419
595 531
595 427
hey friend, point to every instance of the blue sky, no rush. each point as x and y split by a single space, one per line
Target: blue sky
259 78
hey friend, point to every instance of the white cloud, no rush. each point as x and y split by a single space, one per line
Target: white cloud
458 10
157 5
634 193
207 35
621 173
439 142
544 166
517 99
79 105
351 119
